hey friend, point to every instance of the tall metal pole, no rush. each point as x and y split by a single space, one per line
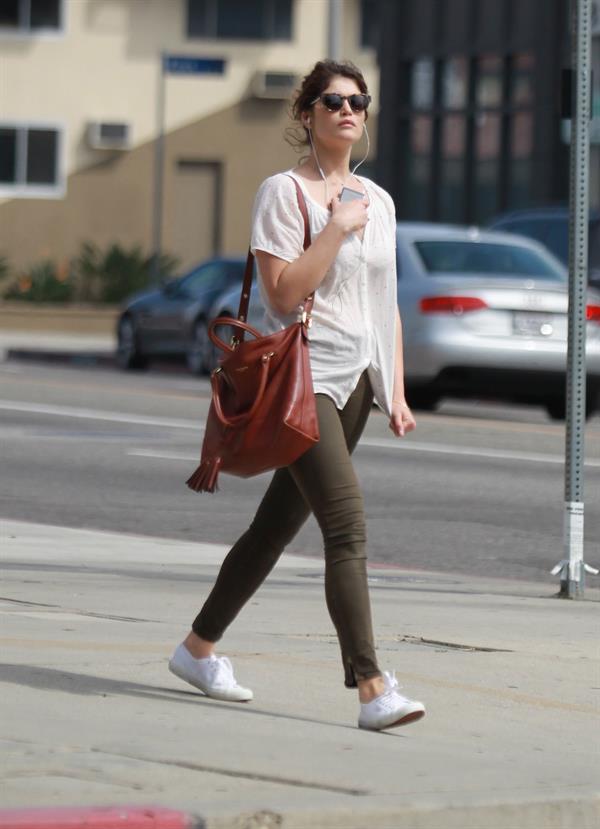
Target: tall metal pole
159 153
573 570
334 30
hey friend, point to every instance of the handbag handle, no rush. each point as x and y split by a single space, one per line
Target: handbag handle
247 281
241 419
232 323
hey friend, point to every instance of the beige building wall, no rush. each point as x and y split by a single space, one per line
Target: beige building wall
220 140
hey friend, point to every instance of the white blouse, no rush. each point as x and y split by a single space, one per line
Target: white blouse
354 311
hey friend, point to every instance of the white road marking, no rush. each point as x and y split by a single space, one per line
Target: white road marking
164 456
95 414
405 447
502 454
198 426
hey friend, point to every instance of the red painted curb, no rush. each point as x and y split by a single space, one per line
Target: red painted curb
99 817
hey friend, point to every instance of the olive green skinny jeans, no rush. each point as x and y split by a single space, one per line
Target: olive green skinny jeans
322 481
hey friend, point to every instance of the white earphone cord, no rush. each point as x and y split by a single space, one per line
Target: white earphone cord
354 169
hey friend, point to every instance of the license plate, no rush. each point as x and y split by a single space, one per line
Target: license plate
528 324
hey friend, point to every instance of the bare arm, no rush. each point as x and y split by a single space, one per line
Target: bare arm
402 419
288 283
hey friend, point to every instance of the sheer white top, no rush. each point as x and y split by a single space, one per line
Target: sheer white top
354 312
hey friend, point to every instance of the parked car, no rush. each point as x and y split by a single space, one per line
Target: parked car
485 313
171 320
550 226
227 305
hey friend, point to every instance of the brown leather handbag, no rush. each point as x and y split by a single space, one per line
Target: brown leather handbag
262 414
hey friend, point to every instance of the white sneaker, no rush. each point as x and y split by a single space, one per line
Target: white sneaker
390 708
213 675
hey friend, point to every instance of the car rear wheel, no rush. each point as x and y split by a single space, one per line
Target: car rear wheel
128 354
557 406
426 400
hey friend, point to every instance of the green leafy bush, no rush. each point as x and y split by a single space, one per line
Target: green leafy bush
114 274
4 267
44 282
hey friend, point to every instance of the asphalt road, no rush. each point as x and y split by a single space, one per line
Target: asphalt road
477 489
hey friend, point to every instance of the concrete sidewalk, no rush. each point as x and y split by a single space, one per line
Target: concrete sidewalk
91 716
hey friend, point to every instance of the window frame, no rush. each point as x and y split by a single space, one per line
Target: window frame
212 17
22 31
438 110
21 189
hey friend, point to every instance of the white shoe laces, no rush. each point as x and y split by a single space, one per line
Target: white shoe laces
222 672
388 701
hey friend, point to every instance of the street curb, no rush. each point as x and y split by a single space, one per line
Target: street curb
76 358
559 814
99 817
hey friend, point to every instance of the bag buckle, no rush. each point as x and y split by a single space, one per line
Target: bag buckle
304 318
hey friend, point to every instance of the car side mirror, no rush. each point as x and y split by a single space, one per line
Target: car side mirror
169 287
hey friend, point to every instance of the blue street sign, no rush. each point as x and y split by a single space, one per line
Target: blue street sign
185 65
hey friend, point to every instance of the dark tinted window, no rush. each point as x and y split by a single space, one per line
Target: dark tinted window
240 19
41 156
9 13
28 156
8 156
45 14
30 14
477 258
205 280
369 23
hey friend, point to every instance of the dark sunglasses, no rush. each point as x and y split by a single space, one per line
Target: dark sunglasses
334 102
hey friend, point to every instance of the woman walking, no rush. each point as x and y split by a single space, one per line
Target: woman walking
356 356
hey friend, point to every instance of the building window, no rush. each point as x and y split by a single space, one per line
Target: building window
455 83
466 130
30 15
452 201
29 160
369 24
240 19
418 180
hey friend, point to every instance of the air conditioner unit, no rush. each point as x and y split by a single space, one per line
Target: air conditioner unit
109 135
272 84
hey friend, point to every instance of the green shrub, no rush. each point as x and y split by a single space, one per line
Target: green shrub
114 274
4 267
44 282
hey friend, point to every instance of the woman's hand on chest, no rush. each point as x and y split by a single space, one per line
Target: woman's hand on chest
349 217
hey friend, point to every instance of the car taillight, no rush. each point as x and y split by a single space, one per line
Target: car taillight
592 313
451 304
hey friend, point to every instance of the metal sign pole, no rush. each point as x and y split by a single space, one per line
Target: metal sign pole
572 568
334 30
159 151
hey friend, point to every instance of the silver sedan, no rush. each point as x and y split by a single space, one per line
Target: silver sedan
485 313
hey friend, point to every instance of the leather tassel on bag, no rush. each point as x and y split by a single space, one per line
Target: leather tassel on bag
204 479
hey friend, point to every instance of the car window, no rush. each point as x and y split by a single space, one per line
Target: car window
551 232
477 258
206 279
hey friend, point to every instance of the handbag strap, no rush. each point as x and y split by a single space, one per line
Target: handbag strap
247 282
